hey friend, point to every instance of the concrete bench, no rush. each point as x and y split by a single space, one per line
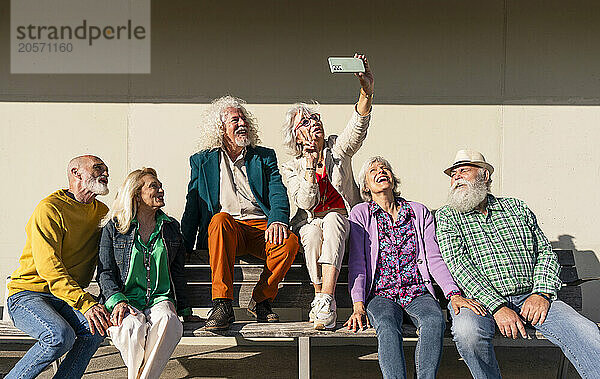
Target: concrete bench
293 303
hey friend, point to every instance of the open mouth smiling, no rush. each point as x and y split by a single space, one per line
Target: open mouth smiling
241 131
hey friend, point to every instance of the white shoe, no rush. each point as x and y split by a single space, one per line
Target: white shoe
325 312
313 307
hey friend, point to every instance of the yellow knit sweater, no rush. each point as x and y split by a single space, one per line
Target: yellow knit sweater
61 250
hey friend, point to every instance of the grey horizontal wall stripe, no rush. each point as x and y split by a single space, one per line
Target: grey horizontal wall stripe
422 52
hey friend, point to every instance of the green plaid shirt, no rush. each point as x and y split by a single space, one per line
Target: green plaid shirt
501 254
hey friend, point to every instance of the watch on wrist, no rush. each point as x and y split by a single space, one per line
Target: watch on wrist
544 296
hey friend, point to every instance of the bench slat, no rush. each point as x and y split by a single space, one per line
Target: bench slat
246 273
289 296
251 273
201 256
568 274
572 296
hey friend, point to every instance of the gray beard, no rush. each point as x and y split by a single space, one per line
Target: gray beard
466 199
242 141
94 186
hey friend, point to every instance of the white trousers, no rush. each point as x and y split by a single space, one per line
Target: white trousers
147 340
324 241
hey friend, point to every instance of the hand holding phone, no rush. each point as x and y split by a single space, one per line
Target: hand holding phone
367 82
357 65
345 65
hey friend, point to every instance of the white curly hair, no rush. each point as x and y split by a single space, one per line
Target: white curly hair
288 131
212 122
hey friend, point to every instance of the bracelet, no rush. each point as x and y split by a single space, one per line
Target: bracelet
362 92
544 296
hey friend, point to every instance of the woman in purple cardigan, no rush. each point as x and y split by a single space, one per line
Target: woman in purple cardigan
393 258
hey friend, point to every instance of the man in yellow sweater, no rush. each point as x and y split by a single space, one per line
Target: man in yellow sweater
46 294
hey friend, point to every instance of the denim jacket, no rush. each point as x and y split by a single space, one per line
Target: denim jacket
114 259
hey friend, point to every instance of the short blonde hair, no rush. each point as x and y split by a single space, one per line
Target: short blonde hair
124 207
362 177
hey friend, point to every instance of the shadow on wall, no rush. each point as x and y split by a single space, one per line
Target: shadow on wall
586 260
588 267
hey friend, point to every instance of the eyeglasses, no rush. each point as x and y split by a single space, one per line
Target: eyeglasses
305 121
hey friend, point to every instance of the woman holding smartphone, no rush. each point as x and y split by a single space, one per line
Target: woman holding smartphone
321 184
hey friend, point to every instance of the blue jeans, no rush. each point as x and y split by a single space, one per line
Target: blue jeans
58 328
578 338
386 317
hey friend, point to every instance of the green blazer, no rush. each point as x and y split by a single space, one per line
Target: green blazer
202 201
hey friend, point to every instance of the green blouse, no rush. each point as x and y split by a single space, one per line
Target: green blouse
148 281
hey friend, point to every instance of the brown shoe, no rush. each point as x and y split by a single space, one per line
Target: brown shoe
221 315
262 311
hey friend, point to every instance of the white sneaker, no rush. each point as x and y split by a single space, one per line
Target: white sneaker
325 312
313 307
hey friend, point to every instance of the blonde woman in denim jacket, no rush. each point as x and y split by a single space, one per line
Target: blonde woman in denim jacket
141 275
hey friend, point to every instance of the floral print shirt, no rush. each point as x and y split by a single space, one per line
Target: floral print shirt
397 276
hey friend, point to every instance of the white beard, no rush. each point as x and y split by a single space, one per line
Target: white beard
95 186
468 197
243 140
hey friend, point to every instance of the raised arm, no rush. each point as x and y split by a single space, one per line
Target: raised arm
367 87
352 137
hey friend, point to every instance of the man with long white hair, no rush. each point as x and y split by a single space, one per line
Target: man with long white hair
499 256
47 299
236 205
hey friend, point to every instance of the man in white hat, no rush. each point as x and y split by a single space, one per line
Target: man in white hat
499 256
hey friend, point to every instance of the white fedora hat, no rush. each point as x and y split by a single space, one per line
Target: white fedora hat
469 157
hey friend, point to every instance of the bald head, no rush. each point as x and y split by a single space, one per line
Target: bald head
88 173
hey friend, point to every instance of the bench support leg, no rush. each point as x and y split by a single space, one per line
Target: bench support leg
303 357
563 367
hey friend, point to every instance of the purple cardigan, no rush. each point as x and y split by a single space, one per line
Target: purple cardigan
364 251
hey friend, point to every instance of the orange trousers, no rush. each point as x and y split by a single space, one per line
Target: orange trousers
228 238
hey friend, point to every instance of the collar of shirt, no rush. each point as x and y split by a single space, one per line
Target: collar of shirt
161 217
404 213
238 159
492 205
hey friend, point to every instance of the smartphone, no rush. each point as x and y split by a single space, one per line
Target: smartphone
349 65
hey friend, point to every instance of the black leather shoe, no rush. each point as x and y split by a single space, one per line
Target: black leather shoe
262 311
221 316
